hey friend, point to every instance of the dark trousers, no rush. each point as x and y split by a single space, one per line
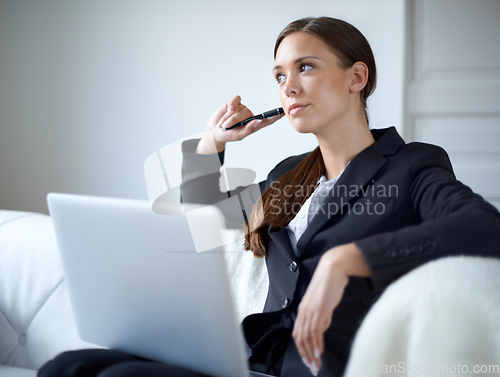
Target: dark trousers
109 363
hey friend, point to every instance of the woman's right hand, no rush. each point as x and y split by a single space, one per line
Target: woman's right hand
215 138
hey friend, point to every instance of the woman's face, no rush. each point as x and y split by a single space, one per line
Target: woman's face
314 88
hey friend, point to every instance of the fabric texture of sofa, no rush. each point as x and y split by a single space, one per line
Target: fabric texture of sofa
446 312
35 316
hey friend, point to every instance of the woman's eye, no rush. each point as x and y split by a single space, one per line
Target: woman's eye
305 67
280 78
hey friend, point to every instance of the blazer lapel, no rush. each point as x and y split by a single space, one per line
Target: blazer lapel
282 240
357 176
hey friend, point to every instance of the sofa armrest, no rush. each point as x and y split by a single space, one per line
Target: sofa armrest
36 321
443 318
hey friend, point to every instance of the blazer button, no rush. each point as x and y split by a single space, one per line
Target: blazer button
390 254
293 266
285 303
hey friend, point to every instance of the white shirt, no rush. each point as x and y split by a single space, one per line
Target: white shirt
299 224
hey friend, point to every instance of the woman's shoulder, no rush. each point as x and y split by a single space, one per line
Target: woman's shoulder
290 162
284 166
415 158
424 153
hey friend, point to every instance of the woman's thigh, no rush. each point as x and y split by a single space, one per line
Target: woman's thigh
108 363
147 369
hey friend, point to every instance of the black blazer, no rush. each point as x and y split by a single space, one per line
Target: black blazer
402 206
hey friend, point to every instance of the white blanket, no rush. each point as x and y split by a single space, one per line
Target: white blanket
441 319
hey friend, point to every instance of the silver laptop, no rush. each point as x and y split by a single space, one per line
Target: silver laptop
141 282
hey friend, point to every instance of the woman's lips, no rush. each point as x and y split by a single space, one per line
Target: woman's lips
296 109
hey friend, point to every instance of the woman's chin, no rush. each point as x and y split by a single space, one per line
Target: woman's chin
302 128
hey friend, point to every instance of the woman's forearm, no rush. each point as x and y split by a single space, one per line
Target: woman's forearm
349 259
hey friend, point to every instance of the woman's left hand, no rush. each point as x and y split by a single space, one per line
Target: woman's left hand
322 296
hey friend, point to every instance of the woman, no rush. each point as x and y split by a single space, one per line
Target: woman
336 225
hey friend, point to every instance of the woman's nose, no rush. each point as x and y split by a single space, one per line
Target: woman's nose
292 86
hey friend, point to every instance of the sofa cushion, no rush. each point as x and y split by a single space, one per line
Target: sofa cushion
36 321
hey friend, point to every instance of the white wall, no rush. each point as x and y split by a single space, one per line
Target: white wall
89 89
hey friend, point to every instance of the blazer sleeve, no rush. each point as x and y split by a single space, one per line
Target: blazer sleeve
203 183
453 221
200 175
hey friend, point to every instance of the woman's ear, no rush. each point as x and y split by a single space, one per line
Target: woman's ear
359 77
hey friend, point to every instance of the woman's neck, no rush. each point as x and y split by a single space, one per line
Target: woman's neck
340 146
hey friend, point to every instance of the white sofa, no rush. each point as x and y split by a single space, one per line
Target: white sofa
446 312
36 320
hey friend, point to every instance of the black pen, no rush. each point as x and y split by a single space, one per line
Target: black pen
267 115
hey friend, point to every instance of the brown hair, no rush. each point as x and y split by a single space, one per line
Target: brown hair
277 206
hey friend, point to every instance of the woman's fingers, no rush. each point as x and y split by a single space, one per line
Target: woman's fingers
234 112
224 111
233 115
315 311
226 116
308 335
234 102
